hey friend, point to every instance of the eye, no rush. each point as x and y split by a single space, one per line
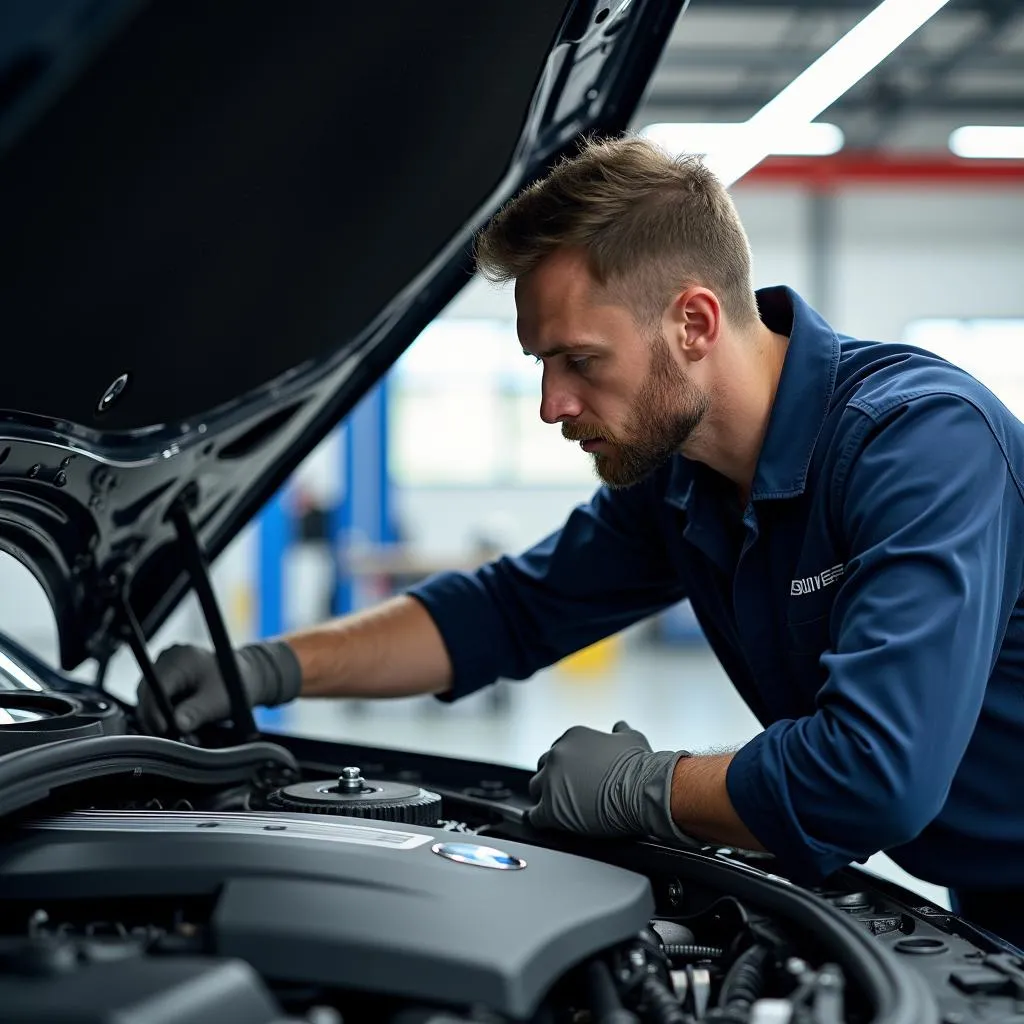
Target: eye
579 363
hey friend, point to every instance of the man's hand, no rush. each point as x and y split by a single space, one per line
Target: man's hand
192 681
606 784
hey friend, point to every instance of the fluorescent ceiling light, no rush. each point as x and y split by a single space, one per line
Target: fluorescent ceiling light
862 49
988 141
815 139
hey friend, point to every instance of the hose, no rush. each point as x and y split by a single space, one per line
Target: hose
662 1004
727 1016
605 1005
693 952
744 983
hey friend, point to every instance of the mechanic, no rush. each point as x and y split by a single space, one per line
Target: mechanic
845 517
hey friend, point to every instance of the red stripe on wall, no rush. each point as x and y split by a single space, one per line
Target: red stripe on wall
864 168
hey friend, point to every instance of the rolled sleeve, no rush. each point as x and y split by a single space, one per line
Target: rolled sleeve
603 570
931 515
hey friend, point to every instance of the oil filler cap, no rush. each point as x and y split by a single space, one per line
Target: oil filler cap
352 795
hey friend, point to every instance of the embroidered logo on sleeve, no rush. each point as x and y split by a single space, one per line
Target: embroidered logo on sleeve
809 584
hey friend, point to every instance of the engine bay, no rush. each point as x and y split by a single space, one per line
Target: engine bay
285 879
182 186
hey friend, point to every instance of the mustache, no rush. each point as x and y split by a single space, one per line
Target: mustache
581 432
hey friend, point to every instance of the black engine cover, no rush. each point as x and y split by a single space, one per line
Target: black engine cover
199 989
344 902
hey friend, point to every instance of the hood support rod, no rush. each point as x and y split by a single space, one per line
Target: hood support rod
137 642
244 727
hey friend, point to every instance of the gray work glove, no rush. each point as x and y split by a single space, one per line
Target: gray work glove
193 684
606 784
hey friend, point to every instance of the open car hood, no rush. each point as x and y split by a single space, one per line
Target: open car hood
223 223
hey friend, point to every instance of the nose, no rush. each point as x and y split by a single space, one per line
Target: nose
557 402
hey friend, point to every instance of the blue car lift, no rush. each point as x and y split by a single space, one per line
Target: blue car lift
363 515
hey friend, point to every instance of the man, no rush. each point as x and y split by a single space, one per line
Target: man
845 517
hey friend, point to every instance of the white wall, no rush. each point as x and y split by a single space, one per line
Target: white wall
919 252
778 226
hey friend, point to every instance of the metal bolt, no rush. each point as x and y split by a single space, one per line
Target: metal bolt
61 479
350 781
675 892
34 471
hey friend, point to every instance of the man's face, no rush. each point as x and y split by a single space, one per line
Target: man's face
613 388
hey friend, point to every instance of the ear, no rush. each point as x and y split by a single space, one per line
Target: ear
693 322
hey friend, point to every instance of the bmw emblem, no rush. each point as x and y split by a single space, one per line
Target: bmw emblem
479 856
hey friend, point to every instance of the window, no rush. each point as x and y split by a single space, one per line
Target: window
991 350
465 412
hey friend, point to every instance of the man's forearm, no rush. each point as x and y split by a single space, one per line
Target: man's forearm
391 650
700 802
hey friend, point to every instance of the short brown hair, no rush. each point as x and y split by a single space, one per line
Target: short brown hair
650 224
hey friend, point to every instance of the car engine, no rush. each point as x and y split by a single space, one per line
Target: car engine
375 919
145 880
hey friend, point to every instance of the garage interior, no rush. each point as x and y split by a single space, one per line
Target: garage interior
888 231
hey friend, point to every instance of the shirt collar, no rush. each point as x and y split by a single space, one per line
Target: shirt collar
803 397
801 403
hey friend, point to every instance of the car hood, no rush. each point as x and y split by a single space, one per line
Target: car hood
223 223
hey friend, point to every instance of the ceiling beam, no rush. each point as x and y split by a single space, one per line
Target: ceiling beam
739 105
901 101
793 60
816 7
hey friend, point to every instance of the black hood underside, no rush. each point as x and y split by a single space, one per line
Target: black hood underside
223 222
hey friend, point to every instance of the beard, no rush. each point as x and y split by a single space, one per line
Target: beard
666 411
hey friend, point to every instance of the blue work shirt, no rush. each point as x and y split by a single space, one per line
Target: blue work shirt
866 604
